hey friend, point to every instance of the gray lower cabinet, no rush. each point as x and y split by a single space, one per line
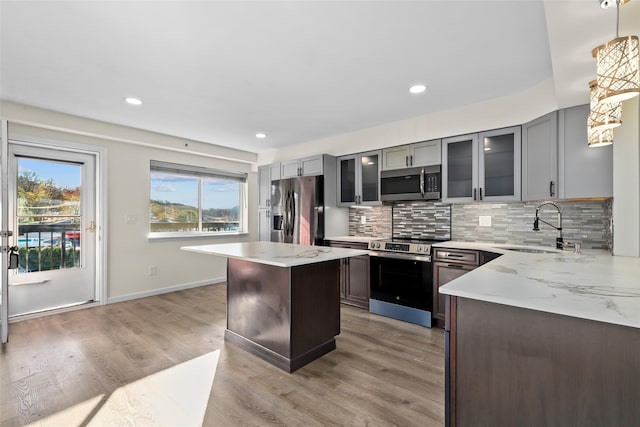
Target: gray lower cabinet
354 275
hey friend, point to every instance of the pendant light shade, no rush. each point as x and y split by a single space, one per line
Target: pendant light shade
618 69
600 138
603 115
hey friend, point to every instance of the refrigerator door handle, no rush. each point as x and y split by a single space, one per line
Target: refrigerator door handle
289 229
293 213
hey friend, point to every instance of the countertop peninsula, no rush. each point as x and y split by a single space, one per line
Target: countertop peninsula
276 254
593 285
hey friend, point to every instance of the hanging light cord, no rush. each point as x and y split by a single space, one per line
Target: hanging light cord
617 18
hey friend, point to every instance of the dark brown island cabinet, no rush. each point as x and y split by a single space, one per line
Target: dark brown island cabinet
354 275
510 366
449 264
287 316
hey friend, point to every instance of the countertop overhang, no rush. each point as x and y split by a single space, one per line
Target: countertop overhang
593 285
276 254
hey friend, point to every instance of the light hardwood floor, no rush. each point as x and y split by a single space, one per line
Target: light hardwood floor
384 372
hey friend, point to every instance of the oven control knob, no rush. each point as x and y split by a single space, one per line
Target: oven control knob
419 248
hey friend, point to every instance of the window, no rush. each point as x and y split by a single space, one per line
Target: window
193 200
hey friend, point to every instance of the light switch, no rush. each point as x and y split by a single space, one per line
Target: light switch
131 219
484 221
363 220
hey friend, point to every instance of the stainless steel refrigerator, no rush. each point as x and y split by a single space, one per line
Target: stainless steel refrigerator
304 212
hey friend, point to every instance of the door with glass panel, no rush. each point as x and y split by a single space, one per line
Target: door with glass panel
460 168
52 213
499 169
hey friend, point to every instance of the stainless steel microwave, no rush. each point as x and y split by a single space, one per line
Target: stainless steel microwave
420 183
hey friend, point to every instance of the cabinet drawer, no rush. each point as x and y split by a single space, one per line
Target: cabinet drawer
457 255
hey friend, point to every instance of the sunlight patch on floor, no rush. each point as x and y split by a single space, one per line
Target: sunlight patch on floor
176 396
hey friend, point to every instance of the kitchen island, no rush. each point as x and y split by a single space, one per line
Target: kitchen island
543 339
283 301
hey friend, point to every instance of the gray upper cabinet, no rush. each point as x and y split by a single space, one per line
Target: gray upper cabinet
558 163
540 158
584 171
460 168
307 166
482 167
266 174
499 170
424 153
359 179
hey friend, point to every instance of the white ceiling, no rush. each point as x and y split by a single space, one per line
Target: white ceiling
220 71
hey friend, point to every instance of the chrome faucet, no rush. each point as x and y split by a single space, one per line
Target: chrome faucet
536 223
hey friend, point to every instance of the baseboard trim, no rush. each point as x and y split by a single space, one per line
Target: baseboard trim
165 290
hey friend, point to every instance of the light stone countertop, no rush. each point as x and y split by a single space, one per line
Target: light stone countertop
277 254
593 285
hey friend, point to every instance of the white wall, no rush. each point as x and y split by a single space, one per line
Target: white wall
496 113
129 251
626 181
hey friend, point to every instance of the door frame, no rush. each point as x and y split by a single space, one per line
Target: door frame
100 155
4 226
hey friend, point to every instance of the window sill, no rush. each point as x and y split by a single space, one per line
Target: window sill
192 235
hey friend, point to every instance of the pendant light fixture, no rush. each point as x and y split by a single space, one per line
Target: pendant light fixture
600 138
618 66
602 115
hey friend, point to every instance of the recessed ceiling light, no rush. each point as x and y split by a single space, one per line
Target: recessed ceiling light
261 135
132 101
417 88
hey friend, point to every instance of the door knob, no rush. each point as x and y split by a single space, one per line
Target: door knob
91 227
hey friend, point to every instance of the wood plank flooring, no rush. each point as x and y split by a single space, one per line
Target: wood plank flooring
383 373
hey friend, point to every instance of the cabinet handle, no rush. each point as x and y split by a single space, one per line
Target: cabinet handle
480 193
411 160
454 266
550 188
450 255
474 193
406 160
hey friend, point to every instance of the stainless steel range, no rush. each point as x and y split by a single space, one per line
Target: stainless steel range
401 279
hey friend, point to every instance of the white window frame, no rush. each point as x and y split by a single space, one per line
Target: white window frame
200 173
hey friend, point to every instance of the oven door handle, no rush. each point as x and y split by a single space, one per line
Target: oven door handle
405 257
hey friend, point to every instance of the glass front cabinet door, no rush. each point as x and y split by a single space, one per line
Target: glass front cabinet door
482 167
359 179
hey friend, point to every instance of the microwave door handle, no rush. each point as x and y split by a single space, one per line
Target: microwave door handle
422 182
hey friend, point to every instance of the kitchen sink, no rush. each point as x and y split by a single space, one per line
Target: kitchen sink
529 250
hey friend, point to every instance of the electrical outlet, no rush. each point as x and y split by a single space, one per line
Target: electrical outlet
484 220
363 220
153 270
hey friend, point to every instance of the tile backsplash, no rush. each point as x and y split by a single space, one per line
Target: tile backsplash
422 220
376 223
587 222
584 221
